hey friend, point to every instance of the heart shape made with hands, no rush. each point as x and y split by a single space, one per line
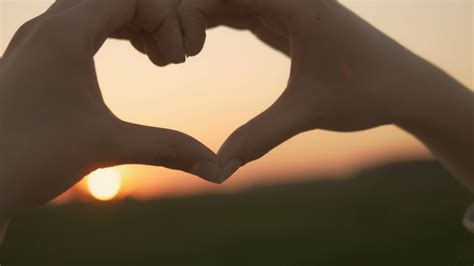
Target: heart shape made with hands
333 85
168 37
56 127
321 88
181 33
60 110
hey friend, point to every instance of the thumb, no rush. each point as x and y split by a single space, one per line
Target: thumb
136 144
280 122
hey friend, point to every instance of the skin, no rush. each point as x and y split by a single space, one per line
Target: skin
345 76
55 127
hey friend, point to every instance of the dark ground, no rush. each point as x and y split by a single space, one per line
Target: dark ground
402 214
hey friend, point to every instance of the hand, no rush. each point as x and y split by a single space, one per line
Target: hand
55 127
345 76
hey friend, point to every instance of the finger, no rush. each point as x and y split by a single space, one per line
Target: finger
160 20
136 144
168 37
153 51
193 24
137 42
283 120
206 6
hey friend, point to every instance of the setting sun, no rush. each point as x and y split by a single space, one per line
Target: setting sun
104 184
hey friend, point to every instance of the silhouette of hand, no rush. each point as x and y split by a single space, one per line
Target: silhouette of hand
341 73
55 127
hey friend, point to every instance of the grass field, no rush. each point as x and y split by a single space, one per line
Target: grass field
401 214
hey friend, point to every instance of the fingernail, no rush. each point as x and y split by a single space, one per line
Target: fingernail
207 170
229 168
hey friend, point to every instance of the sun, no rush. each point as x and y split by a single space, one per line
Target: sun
104 184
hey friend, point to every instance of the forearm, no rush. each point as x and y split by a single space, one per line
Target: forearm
441 114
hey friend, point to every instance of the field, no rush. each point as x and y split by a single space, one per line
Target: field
401 214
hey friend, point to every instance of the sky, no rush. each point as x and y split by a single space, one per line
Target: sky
236 77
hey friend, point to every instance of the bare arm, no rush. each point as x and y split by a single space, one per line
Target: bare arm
441 115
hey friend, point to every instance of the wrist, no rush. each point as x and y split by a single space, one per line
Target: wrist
439 103
440 115
427 97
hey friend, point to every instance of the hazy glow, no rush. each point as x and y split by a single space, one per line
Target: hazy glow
104 184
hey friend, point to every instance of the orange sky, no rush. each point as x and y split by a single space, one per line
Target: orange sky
236 77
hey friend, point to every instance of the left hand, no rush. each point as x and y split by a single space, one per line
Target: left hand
54 125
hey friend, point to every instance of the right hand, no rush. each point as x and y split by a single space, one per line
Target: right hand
341 73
